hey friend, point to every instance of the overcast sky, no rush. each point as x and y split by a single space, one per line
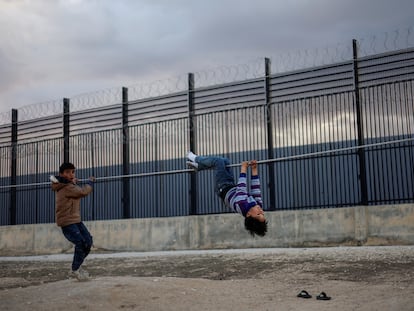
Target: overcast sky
54 49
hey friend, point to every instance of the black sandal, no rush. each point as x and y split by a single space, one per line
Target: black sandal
304 294
323 296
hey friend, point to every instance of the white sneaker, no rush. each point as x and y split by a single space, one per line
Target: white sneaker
80 274
191 156
193 165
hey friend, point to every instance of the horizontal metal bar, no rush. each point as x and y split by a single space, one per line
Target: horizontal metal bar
294 157
313 154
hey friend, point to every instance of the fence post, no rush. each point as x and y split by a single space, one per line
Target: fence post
269 124
13 166
125 155
360 128
191 130
66 128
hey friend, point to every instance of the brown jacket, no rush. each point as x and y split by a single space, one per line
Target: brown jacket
68 197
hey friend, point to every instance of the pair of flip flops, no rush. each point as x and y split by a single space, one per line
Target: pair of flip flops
306 295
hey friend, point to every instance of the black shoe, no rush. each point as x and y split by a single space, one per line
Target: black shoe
304 294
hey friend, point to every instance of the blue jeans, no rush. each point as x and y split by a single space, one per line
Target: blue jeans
79 235
224 175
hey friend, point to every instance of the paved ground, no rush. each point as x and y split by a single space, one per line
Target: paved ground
360 278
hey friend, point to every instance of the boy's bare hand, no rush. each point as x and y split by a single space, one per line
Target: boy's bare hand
245 164
253 164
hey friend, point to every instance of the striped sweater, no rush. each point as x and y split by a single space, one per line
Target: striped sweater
238 198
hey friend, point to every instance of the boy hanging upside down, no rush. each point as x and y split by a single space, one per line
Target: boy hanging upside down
235 196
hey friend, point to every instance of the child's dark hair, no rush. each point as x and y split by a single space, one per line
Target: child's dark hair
66 166
255 226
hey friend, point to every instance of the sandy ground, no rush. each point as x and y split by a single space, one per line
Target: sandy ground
357 278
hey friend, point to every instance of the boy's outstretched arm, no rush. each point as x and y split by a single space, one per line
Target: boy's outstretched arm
253 165
244 167
241 192
78 192
255 183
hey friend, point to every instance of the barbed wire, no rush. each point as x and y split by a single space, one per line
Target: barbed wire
213 76
387 41
101 98
302 59
232 73
158 88
219 75
5 118
40 110
285 62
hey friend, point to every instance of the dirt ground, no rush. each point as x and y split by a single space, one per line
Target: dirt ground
357 278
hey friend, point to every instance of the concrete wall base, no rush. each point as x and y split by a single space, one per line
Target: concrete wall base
361 225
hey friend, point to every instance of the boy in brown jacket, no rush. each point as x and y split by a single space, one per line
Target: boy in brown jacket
68 195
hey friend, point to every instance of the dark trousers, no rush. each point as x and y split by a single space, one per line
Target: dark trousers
224 175
79 235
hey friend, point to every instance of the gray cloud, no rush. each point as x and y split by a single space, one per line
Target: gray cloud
51 49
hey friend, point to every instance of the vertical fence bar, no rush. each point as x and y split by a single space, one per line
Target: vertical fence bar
192 135
66 129
93 145
36 219
125 155
13 167
270 148
360 128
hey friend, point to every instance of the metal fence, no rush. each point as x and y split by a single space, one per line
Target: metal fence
355 102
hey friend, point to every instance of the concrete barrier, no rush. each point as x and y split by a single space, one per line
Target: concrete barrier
362 225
